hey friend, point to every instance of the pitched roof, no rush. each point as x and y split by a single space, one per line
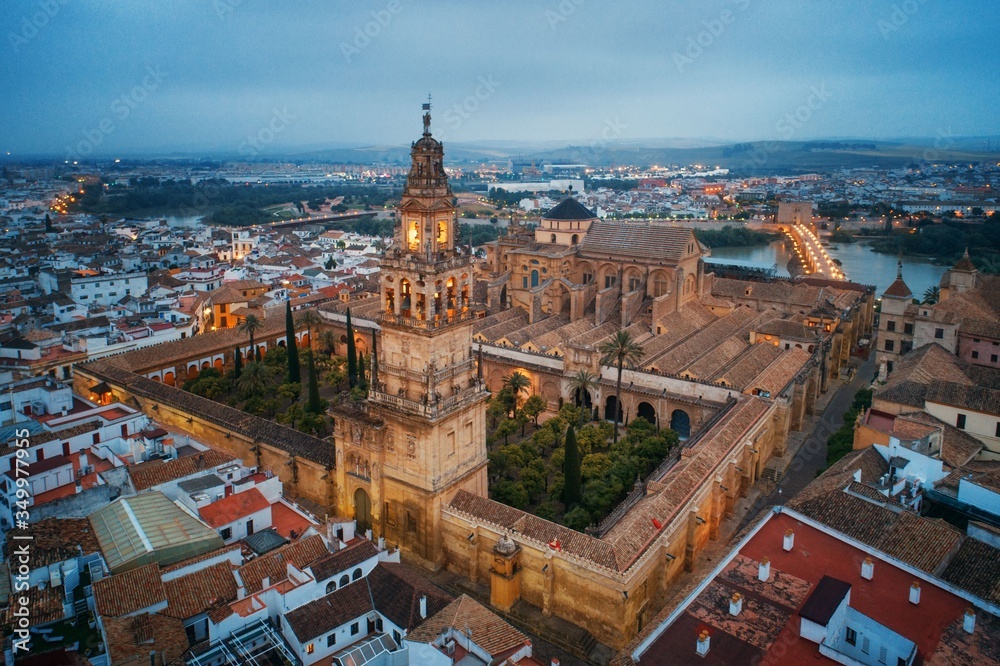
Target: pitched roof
200 591
325 614
976 568
57 540
130 591
153 473
131 639
234 507
898 289
645 240
342 560
273 565
396 590
480 624
569 209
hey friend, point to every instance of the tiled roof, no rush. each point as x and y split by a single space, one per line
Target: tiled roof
343 560
569 209
898 289
396 590
57 540
234 507
130 591
645 240
276 435
200 591
131 639
149 474
273 564
483 626
964 396
976 568
320 617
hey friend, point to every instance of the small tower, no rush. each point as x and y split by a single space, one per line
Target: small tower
505 574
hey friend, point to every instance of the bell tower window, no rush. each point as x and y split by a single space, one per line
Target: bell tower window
413 236
442 236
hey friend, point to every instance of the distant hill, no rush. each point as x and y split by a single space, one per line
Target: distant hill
770 157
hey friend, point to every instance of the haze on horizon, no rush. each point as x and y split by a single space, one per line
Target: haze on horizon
203 76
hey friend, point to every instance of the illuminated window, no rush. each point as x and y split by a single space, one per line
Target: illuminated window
310 648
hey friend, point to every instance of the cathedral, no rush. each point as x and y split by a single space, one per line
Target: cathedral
732 365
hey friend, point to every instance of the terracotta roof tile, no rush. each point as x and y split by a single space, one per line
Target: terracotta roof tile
153 473
200 591
273 564
234 507
484 626
130 591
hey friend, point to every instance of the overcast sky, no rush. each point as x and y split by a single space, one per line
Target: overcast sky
127 77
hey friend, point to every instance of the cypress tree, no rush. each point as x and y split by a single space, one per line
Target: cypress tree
572 488
48 224
361 370
314 404
294 370
352 353
237 363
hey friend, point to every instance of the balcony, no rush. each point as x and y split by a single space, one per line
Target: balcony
430 409
439 321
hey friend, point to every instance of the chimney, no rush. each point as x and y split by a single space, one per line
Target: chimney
868 568
703 644
969 621
735 604
789 540
915 593
423 606
764 569
381 543
265 583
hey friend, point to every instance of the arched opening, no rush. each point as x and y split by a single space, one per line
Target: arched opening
534 278
576 239
192 372
331 586
303 340
281 343
503 296
219 365
404 290
660 283
156 378
345 580
552 238
612 410
583 398
413 236
646 411
680 422
356 575
205 365
169 378
362 510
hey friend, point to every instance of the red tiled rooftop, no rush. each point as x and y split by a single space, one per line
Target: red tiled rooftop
230 509
777 603
284 520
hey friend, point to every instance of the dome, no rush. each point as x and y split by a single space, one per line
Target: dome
505 546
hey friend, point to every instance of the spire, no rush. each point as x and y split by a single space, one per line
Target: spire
427 116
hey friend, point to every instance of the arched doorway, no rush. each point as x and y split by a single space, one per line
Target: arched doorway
582 398
219 365
168 378
680 422
193 371
646 411
362 510
611 408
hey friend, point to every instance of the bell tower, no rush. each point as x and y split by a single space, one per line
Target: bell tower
428 391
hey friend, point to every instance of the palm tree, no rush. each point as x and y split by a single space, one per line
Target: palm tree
309 318
517 382
619 350
582 384
253 380
329 339
932 295
251 324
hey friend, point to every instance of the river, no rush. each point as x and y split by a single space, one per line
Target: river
858 261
